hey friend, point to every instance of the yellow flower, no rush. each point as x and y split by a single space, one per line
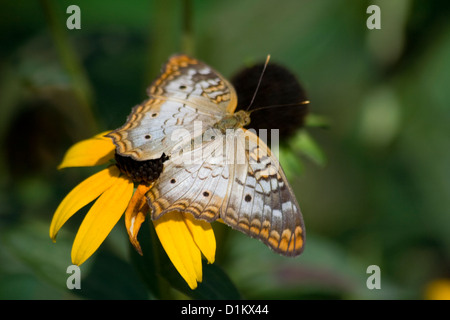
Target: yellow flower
183 237
438 289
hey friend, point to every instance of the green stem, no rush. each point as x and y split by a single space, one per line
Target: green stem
167 36
71 62
163 35
188 46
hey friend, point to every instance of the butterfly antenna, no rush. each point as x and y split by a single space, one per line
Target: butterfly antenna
283 105
259 81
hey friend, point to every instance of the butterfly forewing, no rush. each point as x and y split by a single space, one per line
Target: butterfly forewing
188 92
195 83
195 182
157 127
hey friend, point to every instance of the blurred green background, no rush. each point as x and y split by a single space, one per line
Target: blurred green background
374 187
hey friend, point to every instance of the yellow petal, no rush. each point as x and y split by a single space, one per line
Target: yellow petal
101 218
179 245
135 215
90 152
203 235
81 195
438 290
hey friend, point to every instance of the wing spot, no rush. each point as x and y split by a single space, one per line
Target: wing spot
209 212
285 240
298 238
148 137
154 115
206 194
248 198
274 239
255 226
173 181
265 229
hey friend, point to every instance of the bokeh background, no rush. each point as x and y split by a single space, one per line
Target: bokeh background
371 170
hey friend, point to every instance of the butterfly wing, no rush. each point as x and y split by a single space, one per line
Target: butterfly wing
186 92
195 83
261 202
194 182
245 186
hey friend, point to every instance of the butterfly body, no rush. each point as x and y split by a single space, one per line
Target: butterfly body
215 167
236 120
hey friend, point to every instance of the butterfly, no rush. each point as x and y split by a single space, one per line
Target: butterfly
216 169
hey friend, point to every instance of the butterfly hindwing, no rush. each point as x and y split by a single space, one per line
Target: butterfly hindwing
247 188
261 202
192 183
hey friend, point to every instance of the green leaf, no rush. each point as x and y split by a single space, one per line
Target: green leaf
306 145
111 278
159 274
147 265
317 121
325 270
216 284
292 163
104 276
32 245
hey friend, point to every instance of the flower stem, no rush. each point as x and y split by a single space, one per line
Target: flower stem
187 41
71 62
167 35
163 289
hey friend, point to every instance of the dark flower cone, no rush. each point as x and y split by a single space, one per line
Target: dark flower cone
278 87
141 171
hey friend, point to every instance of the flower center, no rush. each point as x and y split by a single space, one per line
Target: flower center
145 171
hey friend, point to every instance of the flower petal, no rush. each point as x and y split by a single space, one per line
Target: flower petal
101 218
135 215
81 195
438 289
90 152
203 235
179 245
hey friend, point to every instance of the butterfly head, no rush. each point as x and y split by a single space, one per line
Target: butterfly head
233 121
242 118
